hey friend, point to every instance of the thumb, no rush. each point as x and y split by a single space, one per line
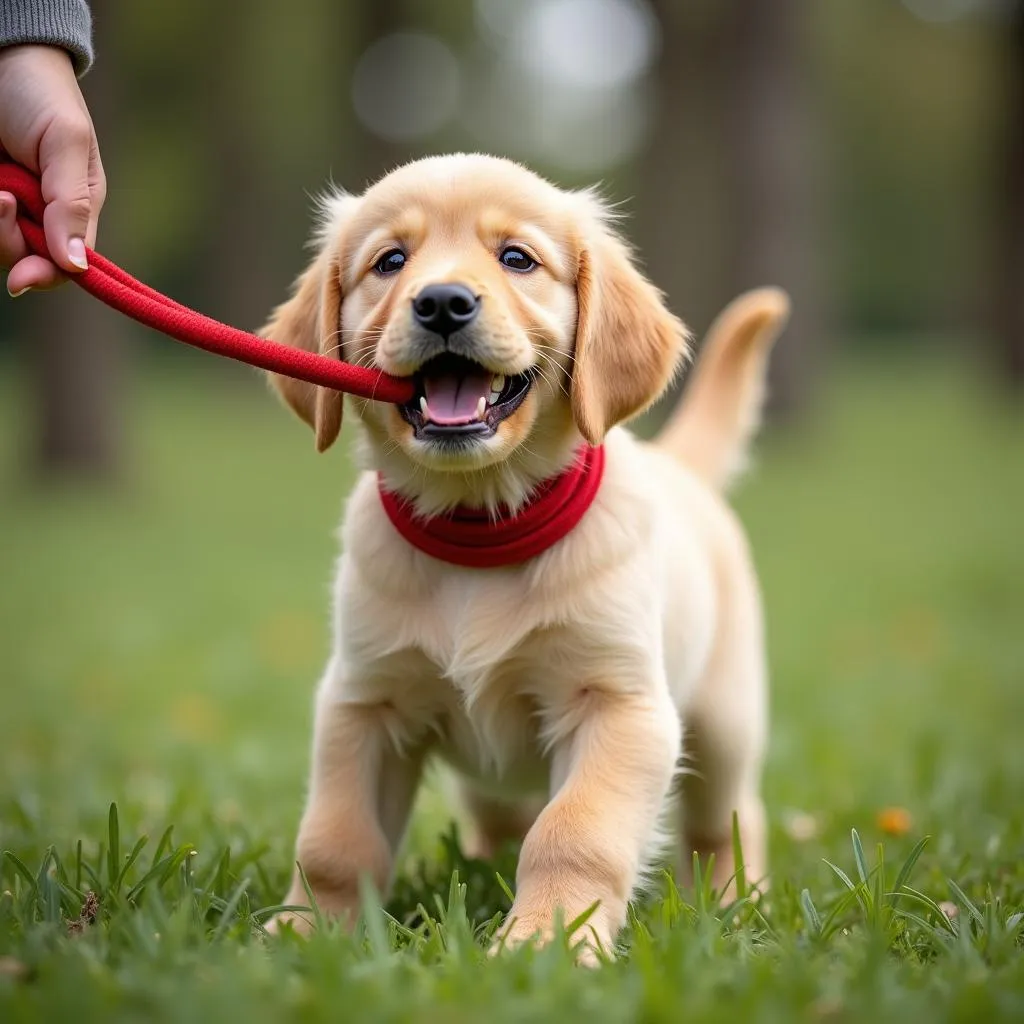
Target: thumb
64 162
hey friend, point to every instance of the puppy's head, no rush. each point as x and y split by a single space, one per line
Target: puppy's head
512 304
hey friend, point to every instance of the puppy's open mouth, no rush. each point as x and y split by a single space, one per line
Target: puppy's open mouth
457 398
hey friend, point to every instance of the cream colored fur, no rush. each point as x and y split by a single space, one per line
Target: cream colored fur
575 683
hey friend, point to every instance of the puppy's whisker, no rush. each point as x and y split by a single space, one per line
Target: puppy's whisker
365 352
554 382
553 354
372 335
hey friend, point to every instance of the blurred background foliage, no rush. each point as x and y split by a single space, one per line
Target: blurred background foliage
864 154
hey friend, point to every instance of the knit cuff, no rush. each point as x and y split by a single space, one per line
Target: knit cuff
63 23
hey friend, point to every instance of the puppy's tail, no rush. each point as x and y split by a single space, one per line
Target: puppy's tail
720 410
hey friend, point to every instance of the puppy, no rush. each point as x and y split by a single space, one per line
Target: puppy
566 689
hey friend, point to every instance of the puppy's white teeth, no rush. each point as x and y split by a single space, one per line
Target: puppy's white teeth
424 409
481 408
493 397
498 383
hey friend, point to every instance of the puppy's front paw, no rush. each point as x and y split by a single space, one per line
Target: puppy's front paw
301 924
590 942
518 931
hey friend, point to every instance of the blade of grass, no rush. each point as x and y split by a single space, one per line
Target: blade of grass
810 913
909 864
858 856
21 869
857 890
94 877
877 902
504 886
374 919
227 915
967 904
925 926
737 858
129 862
928 903
841 875
832 922
114 841
159 872
163 845
318 916
581 919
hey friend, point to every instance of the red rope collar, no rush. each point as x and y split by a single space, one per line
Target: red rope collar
472 538
109 283
465 537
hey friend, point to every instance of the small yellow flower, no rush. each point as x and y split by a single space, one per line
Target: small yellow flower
894 821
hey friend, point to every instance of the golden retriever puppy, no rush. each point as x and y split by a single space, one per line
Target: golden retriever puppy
569 686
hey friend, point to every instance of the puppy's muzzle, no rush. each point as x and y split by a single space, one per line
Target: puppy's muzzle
444 309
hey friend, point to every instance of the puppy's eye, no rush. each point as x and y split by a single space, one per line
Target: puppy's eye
391 262
516 259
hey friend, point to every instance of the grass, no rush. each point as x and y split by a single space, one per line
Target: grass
160 643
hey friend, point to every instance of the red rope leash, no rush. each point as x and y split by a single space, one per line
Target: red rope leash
119 290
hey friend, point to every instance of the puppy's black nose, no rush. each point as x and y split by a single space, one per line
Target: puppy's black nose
444 308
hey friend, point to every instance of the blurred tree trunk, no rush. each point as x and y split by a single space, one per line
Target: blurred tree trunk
369 156
75 369
773 180
679 212
243 219
73 347
1008 311
730 177
297 93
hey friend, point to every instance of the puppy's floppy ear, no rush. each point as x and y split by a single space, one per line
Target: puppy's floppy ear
628 345
311 319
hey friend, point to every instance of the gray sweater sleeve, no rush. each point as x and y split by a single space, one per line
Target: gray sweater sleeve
63 23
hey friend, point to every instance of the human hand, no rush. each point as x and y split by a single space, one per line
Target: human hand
46 127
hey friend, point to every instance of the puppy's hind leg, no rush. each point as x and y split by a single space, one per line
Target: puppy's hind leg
724 739
722 780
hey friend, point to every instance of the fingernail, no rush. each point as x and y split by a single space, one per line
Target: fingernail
20 292
76 253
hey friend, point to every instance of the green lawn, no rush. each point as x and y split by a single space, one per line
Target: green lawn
160 644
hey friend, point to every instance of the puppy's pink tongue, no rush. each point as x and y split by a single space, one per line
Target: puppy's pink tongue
455 398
